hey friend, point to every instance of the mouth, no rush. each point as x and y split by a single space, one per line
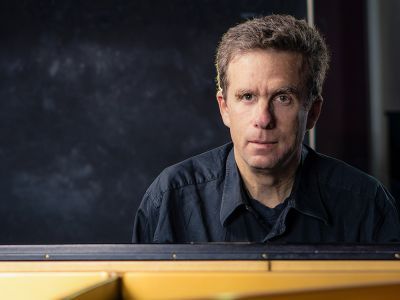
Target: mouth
262 145
263 142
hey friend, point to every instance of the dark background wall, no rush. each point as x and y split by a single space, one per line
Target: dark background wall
96 98
343 127
346 128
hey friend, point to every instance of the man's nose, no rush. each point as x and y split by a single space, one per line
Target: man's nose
264 116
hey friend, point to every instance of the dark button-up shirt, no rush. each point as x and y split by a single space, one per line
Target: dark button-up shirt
202 200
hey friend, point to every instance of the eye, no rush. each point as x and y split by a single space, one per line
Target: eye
284 99
247 97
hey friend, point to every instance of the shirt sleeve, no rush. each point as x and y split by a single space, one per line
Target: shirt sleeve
140 229
387 227
143 231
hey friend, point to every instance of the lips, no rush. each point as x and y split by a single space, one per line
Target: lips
262 142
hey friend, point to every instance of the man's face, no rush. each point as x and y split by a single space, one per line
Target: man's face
264 108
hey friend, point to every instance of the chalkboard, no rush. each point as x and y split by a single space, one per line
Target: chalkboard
96 98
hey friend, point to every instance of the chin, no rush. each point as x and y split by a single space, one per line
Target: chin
262 163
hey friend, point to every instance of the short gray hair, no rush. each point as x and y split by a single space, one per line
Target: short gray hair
279 32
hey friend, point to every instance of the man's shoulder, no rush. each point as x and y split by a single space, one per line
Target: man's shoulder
199 169
340 175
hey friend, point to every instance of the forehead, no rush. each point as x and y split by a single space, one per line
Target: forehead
266 67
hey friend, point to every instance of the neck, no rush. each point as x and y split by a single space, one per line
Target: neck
270 187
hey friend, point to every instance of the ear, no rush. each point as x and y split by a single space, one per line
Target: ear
223 109
313 112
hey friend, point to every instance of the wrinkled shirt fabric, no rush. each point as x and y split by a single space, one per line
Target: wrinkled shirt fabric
203 199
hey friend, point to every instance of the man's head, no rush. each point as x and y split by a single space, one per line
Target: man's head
278 32
270 75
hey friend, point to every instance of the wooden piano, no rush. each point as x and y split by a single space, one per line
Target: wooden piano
200 271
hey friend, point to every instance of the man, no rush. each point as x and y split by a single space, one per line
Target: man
266 186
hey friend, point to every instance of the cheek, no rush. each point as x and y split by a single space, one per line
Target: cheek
302 121
238 125
293 125
300 124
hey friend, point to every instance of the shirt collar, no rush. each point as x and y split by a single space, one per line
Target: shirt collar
231 194
306 192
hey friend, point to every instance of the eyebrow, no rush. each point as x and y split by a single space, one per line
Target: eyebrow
283 90
241 92
287 90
